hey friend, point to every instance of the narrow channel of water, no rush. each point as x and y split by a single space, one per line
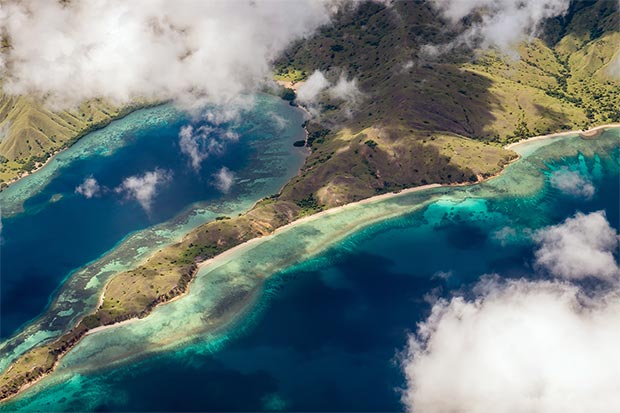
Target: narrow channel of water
334 298
50 232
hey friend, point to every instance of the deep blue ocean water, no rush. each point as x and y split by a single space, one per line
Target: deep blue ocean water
325 334
60 230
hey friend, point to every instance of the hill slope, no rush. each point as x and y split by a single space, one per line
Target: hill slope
30 132
418 107
420 121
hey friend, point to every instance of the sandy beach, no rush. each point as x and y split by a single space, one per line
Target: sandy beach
223 257
37 168
590 133
290 85
120 323
337 209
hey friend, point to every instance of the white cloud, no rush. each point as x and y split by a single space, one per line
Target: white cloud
443 275
279 121
345 90
520 347
310 89
89 188
200 143
224 180
582 246
613 69
572 183
502 23
229 113
505 235
408 64
189 144
143 188
4 130
120 50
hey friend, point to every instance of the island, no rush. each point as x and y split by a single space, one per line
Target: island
446 120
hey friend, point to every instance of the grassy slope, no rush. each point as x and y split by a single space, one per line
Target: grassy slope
163 276
30 132
436 121
410 99
484 98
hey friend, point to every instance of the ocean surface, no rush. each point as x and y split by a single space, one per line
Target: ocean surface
322 309
49 230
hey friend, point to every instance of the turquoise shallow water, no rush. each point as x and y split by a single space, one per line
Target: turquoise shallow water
59 247
332 299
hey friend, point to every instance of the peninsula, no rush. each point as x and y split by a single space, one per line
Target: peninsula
31 134
408 125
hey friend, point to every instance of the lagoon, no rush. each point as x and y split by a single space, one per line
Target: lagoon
50 233
327 305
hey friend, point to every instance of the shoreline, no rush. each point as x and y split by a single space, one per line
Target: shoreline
247 244
102 296
134 319
591 133
377 198
72 141
36 169
309 218
221 258
585 134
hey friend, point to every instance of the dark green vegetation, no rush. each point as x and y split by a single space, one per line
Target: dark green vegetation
559 81
421 120
416 110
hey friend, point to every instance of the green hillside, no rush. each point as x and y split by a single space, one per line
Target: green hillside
557 84
30 132
410 99
420 121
